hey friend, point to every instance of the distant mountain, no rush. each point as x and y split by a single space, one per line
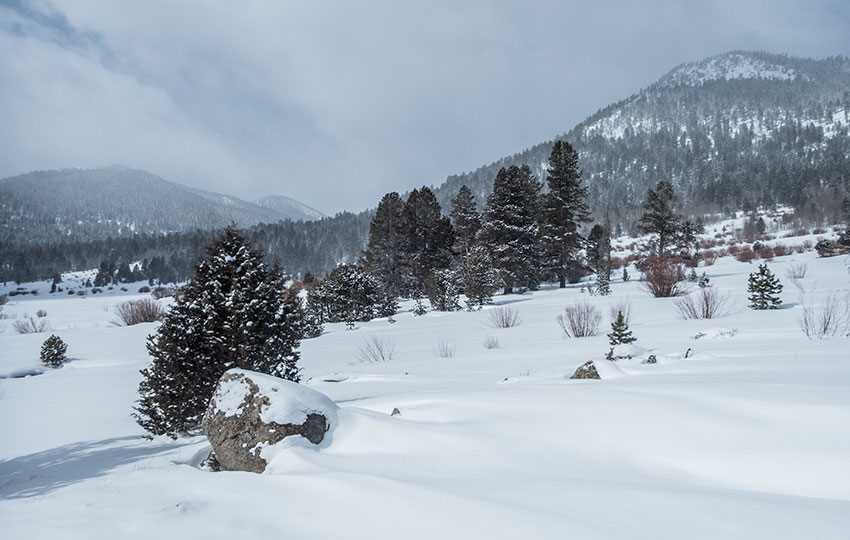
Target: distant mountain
732 131
91 204
289 208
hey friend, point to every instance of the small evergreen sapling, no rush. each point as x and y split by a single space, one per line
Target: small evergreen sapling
53 352
626 275
764 289
620 333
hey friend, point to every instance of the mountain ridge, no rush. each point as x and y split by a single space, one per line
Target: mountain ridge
95 203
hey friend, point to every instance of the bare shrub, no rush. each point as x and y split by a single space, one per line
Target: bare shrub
41 313
31 325
829 319
491 342
504 317
580 320
709 258
664 278
138 311
621 305
796 271
376 348
445 349
745 255
707 303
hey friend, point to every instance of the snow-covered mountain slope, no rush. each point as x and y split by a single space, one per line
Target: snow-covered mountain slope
91 204
733 65
733 130
289 207
736 432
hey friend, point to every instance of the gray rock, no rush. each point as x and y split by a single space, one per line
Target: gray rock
395 412
586 371
651 359
239 421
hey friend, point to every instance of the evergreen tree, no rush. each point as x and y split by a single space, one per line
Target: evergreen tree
626 275
428 239
53 352
659 217
510 230
384 254
563 211
233 314
467 222
764 288
620 333
594 247
349 293
480 280
443 291
603 284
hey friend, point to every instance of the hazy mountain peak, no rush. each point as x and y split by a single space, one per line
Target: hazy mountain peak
730 66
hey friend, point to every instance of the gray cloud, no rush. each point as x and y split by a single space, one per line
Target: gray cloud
336 103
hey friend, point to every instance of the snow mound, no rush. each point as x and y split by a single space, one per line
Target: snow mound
717 333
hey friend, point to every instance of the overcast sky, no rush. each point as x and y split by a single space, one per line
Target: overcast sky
337 103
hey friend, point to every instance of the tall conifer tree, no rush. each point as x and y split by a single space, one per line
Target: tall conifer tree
467 222
384 255
429 237
563 211
659 216
510 229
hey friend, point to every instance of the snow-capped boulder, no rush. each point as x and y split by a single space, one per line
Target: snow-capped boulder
250 411
586 371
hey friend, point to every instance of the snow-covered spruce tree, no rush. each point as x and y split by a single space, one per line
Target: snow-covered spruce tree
510 230
383 257
349 293
467 222
603 285
659 217
443 290
429 237
53 352
764 289
234 313
563 211
480 280
620 333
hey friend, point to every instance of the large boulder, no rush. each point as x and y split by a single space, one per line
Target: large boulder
249 412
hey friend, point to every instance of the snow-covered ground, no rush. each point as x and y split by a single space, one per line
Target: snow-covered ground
746 437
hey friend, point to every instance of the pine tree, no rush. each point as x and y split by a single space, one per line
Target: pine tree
594 247
384 255
510 230
443 290
349 293
480 280
234 313
53 352
563 211
428 239
659 217
626 275
764 288
467 222
620 333
603 285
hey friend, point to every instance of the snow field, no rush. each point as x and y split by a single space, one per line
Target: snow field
744 438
